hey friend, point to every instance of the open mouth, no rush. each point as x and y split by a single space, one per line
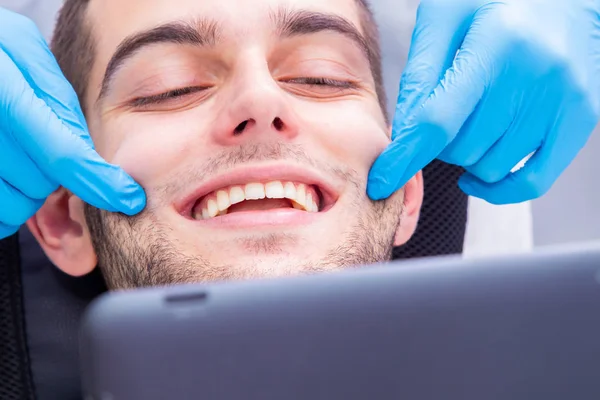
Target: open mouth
258 196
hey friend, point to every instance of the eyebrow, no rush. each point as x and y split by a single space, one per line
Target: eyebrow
197 33
206 33
292 23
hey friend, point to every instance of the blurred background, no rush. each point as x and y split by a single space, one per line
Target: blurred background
569 213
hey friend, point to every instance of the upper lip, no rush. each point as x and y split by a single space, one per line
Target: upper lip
248 174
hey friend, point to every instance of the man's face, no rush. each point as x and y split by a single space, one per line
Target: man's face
252 129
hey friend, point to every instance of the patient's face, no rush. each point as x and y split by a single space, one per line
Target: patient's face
252 131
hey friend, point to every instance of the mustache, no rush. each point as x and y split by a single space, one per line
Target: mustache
254 153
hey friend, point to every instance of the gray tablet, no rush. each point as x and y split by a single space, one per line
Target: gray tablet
520 328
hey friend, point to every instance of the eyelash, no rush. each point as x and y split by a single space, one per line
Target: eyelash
323 82
173 94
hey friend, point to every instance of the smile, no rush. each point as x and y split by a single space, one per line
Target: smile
258 196
268 195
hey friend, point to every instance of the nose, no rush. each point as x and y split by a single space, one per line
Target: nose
258 110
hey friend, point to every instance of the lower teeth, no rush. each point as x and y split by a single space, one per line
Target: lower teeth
298 206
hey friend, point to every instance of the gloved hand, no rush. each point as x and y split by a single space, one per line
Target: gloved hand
487 83
44 140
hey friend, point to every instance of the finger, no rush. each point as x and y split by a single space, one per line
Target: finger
384 178
39 67
513 87
61 155
565 138
7 230
491 119
432 51
15 207
524 136
421 137
20 171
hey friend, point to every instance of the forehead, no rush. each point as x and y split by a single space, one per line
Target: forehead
114 20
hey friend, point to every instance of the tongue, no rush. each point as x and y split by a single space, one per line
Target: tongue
260 205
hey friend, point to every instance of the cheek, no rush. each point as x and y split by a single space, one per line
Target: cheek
150 146
354 135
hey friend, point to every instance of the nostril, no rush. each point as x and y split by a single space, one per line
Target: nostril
240 128
278 124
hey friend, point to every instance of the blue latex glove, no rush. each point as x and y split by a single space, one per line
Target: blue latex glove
44 140
490 82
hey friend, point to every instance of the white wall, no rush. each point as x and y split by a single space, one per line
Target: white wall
41 11
570 212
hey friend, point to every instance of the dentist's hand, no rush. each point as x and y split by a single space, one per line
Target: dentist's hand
525 79
44 140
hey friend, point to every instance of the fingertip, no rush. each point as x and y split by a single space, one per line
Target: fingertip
391 170
127 196
104 185
133 203
382 186
382 180
376 190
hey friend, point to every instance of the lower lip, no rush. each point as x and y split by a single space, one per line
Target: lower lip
254 219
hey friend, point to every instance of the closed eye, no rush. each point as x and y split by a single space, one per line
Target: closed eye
166 96
322 82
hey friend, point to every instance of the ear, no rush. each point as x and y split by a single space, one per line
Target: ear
413 200
60 229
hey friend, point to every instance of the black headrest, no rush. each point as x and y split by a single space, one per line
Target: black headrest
40 306
443 221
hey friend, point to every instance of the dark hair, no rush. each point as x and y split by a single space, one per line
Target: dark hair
74 47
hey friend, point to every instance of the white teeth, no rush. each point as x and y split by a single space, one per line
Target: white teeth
236 195
309 202
310 206
213 209
255 191
301 195
223 202
274 190
290 191
218 204
205 214
199 215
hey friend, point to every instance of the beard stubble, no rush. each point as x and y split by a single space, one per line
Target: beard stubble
127 261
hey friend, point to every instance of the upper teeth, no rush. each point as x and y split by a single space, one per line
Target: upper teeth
303 197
